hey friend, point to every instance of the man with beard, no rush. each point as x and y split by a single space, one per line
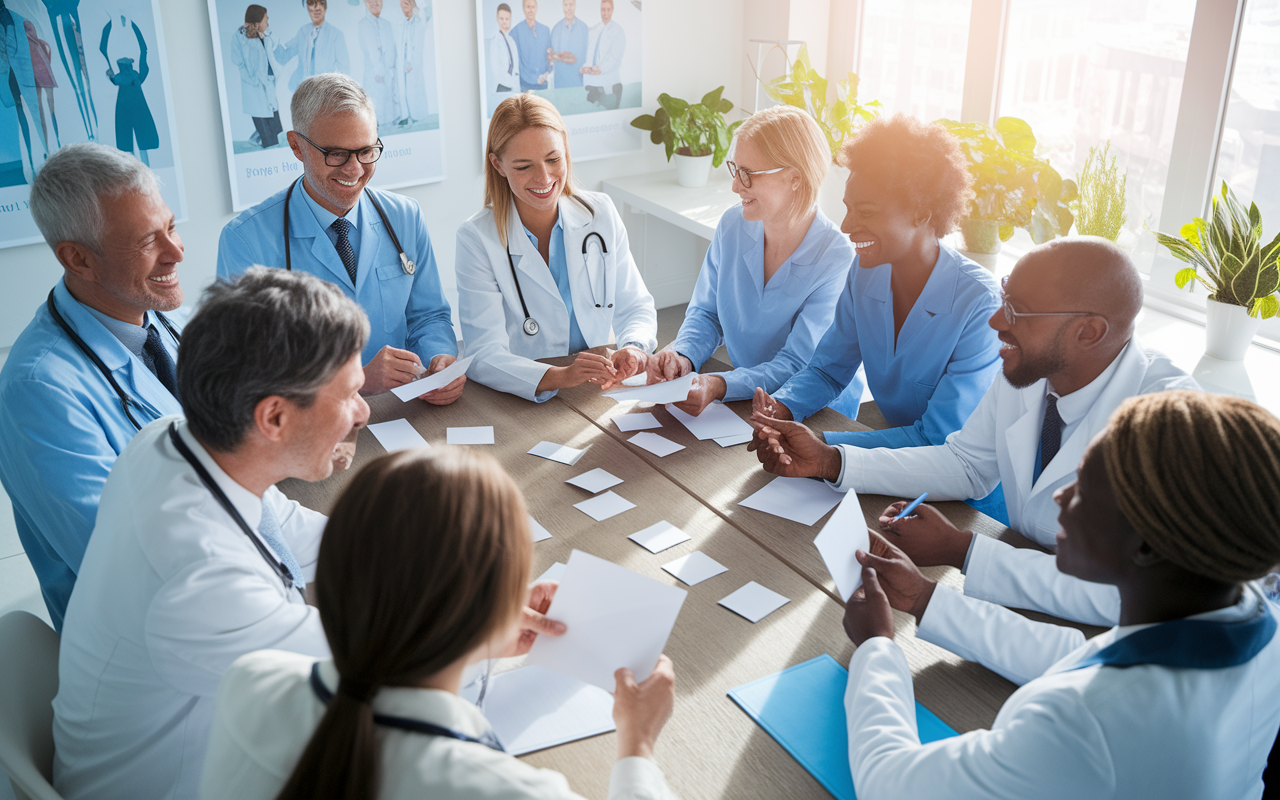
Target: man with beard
1070 358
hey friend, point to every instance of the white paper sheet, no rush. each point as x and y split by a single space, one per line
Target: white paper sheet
594 481
533 708
659 537
844 533
480 434
695 568
636 422
558 452
539 533
754 602
802 500
739 438
666 392
398 434
603 506
658 445
553 573
430 383
636 380
715 421
615 618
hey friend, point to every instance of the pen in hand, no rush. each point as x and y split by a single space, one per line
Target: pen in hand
912 506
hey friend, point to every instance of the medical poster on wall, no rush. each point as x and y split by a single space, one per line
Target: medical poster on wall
582 55
81 71
262 51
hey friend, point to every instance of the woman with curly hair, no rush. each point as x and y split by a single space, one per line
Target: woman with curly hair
914 312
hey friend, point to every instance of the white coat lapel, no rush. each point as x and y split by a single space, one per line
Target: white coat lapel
1022 440
373 241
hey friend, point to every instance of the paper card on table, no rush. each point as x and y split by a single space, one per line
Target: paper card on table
603 506
754 602
738 438
695 567
658 445
636 380
480 434
636 422
843 534
558 452
398 434
659 537
553 572
532 708
615 618
594 481
539 533
430 383
802 500
715 421
665 392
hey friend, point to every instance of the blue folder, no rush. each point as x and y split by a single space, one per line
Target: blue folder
803 709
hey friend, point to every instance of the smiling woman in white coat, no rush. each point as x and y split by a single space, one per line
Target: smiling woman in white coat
545 270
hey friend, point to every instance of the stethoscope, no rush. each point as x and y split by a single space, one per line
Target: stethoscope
97 362
225 502
530 325
405 264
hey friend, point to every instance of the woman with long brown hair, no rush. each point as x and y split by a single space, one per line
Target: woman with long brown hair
422 572
253 53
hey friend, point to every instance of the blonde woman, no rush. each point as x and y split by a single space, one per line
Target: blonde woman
382 718
545 269
770 280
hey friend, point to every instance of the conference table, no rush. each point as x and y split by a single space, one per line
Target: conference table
710 748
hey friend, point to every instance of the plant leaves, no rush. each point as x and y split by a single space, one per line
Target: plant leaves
712 98
1266 307
1016 134
645 122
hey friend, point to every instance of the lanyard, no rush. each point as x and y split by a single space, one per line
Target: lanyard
1188 644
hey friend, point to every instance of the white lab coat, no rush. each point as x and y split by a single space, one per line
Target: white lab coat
504 64
380 82
170 592
612 43
1102 733
489 304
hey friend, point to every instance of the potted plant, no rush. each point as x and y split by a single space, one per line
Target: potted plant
695 133
1100 207
1242 275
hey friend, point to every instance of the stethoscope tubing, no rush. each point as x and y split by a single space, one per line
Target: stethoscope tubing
530 325
408 266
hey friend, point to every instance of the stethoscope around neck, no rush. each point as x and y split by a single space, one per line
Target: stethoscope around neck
405 264
530 325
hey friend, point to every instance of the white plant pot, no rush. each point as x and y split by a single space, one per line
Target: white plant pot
831 193
692 171
1228 331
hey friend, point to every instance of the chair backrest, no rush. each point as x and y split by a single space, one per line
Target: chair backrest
28 682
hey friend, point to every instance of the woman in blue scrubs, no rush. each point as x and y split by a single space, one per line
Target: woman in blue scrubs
769 283
914 312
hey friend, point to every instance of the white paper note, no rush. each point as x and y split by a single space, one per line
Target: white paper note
802 500
666 392
844 533
430 383
658 445
532 708
480 434
558 452
636 422
659 537
754 602
539 533
553 572
603 506
740 438
695 567
594 481
398 434
615 618
715 421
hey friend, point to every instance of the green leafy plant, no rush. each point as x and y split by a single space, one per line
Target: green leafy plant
1100 208
805 89
1012 186
1227 256
691 129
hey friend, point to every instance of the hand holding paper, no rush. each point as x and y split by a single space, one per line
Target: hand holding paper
665 392
843 535
430 383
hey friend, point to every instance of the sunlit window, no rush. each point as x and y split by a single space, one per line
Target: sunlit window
913 55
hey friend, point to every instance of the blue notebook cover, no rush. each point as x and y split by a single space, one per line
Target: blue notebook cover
803 709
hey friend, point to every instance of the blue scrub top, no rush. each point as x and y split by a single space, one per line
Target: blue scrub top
532 45
560 271
572 40
770 330
945 359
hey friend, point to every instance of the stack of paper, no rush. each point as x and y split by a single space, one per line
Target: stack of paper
534 708
843 535
430 383
717 421
802 500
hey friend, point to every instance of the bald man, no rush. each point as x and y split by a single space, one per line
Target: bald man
1070 358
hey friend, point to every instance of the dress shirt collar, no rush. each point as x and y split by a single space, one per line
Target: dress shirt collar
436 706
811 247
133 337
533 240
326 217
1073 407
246 502
939 293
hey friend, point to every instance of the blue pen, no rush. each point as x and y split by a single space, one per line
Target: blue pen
912 506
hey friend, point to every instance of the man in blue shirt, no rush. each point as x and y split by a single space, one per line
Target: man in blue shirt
534 41
62 421
320 47
568 46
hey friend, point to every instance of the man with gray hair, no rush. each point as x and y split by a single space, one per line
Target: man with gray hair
96 363
196 557
372 244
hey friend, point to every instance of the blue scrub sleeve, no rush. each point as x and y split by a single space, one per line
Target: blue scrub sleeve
700 333
835 362
428 317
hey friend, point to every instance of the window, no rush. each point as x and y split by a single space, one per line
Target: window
912 57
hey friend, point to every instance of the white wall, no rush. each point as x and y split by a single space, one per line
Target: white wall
690 48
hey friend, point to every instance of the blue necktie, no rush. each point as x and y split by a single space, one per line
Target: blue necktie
345 252
269 530
511 62
157 359
1050 432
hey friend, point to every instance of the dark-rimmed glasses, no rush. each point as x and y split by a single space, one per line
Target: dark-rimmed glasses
336 158
745 175
1011 316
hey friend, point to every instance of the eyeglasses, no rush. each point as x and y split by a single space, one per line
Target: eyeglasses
745 175
1011 316
336 158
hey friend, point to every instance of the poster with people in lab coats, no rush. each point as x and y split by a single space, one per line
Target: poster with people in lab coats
263 50
582 55
81 71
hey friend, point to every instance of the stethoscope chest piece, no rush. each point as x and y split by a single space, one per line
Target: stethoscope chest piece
408 266
530 326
